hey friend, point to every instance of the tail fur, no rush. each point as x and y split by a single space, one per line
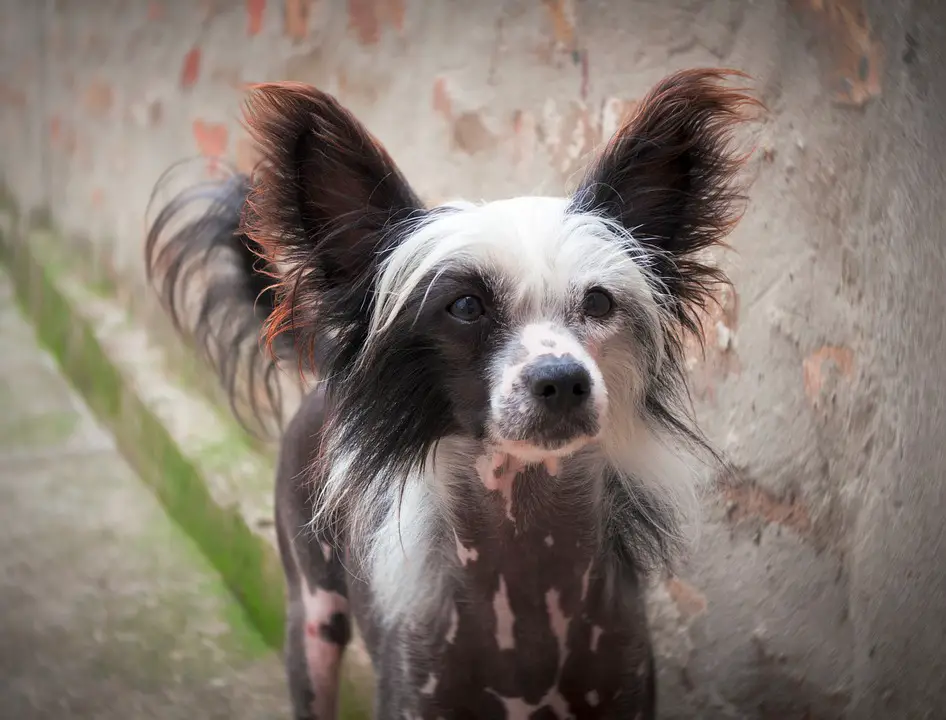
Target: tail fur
218 292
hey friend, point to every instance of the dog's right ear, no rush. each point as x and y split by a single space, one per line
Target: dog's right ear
325 199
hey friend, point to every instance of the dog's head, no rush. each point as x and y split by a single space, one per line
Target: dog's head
536 325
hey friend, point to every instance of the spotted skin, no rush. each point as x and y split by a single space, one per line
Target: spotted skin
318 618
539 623
546 627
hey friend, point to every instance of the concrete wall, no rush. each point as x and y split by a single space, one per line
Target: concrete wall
817 588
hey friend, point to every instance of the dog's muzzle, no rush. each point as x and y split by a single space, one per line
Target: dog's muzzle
551 403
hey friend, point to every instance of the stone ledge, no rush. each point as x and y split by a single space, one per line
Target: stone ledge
199 463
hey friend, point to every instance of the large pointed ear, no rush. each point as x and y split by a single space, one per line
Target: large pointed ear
327 200
668 176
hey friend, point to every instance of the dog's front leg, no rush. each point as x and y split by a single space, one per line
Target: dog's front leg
317 623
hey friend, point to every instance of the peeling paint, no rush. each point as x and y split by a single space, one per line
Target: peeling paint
712 356
363 20
689 601
98 98
852 57
11 96
745 500
211 138
297 19
155 11
471 135
813 367
441 101
190 69
562 15
366 18
254 16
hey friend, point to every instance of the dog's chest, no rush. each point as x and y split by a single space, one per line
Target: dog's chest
533 627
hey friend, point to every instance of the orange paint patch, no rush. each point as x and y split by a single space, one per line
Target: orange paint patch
395 10
689 601
98 98
11 96
441 101
211 138
562 15
190 69
746 500
55 128
813 368
851 57
363 20
297 19
524 137
254 16
471 135
155 11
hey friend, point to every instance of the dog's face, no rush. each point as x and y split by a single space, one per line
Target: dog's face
541 320
535 325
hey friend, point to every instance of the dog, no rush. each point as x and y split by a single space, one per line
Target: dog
494 457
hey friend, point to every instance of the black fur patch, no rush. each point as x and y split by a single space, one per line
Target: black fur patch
337 630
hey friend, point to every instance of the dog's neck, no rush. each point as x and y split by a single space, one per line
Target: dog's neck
530 591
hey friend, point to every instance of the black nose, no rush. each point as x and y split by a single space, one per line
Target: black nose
559 383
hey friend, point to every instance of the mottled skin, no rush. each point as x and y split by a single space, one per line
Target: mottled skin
541 623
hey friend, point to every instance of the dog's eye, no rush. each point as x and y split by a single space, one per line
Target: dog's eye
466 308
597 304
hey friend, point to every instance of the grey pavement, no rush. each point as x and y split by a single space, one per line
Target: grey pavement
107 609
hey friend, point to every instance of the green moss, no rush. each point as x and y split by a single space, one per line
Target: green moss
247 563
38 430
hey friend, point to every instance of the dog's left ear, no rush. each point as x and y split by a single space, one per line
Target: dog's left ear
668 177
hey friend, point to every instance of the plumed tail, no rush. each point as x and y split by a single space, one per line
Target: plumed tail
218 292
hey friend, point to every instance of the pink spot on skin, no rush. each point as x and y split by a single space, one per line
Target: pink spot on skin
585 578
312 630
463 553
430 685
504 618
558 621
497 472
454 625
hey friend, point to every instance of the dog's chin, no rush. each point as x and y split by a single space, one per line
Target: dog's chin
532 453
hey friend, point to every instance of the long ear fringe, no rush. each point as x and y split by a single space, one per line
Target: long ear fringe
323 182
670 175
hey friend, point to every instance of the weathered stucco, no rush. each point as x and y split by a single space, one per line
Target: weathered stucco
817 588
